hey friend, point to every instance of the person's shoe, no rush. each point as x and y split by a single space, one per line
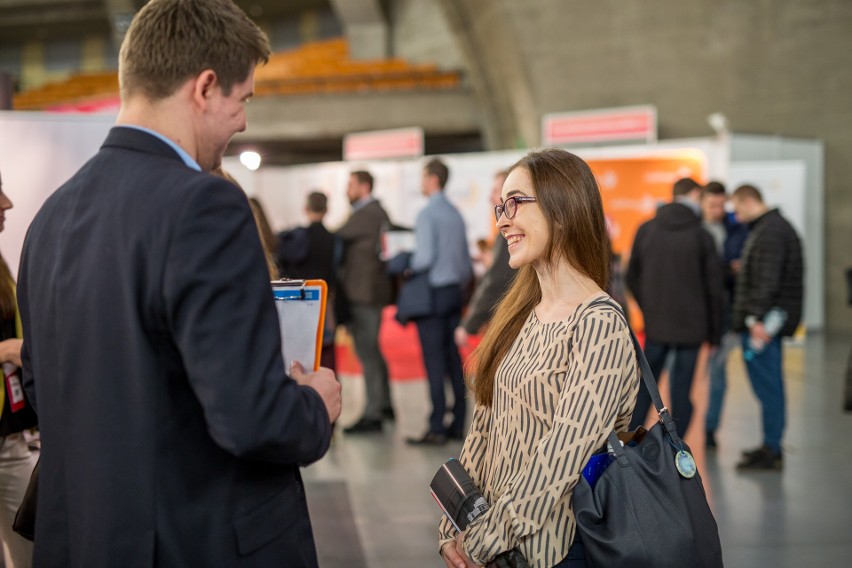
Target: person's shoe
428 439
765 460
388 414
364 425
753 452
710 441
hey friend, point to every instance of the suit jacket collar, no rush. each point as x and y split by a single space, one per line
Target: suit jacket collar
133 139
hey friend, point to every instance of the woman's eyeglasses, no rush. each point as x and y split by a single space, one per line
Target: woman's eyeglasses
510 206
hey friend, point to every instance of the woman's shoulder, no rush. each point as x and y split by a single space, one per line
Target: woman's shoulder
601 308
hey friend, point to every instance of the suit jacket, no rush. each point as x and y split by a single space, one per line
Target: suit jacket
171 435
362 273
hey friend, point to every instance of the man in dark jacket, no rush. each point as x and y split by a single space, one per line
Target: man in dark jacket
769 287
676 277
311 252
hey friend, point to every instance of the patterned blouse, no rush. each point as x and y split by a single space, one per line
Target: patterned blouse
562 387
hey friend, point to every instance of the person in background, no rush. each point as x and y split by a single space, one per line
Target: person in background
365 288
16 459
441 250
729 238
555 372
313 252
494 283
770 280
172 435
675 276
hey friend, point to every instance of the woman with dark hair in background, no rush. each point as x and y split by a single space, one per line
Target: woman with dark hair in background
554 374
16 460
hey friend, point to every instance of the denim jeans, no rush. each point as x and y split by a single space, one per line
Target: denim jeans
680 383
718 380
576 554
767 381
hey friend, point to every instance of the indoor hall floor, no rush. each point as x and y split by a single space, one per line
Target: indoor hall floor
371 506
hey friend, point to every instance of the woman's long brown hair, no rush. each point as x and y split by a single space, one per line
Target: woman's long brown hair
570 201
8 305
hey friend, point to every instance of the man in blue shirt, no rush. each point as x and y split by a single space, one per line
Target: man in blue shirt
441 249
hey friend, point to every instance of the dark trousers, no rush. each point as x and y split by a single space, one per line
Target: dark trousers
365 324
767 380
441 358
680 383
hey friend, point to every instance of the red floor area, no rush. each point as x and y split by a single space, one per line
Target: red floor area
400 346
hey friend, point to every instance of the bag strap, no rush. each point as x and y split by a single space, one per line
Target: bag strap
650 383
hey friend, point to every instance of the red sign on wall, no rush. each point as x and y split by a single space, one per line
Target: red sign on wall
397 143
628 124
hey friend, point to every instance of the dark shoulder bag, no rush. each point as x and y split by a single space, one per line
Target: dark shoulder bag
648 507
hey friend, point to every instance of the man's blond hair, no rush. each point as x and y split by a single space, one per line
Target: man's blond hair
171 41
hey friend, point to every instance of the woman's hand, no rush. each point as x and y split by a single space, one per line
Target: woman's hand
10 351
454 555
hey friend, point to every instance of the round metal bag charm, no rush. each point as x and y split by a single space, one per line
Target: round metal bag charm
685 464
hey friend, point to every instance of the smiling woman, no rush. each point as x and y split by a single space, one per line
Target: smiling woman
555 371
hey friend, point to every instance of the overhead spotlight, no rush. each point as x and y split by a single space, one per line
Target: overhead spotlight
718 122
250 159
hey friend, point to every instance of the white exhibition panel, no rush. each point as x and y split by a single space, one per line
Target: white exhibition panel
38 153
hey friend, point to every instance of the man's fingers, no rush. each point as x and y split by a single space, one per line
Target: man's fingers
297 371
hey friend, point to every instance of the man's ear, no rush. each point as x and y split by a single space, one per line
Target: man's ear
202 87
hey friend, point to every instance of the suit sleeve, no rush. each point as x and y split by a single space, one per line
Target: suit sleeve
27 378
223 319
355 228
602 361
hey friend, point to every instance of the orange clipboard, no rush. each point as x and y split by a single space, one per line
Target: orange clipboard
301 313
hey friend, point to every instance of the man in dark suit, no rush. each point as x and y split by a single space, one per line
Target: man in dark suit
171 434
366 287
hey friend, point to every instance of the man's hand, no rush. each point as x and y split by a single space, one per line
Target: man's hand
461 337
758 332
324 382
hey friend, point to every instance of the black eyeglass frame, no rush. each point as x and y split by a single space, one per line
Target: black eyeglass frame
510 212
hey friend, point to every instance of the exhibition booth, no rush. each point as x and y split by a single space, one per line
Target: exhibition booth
39 151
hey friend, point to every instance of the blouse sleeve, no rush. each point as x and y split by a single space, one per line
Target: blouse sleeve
600 385
472 458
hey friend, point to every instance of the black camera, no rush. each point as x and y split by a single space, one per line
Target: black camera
462 503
